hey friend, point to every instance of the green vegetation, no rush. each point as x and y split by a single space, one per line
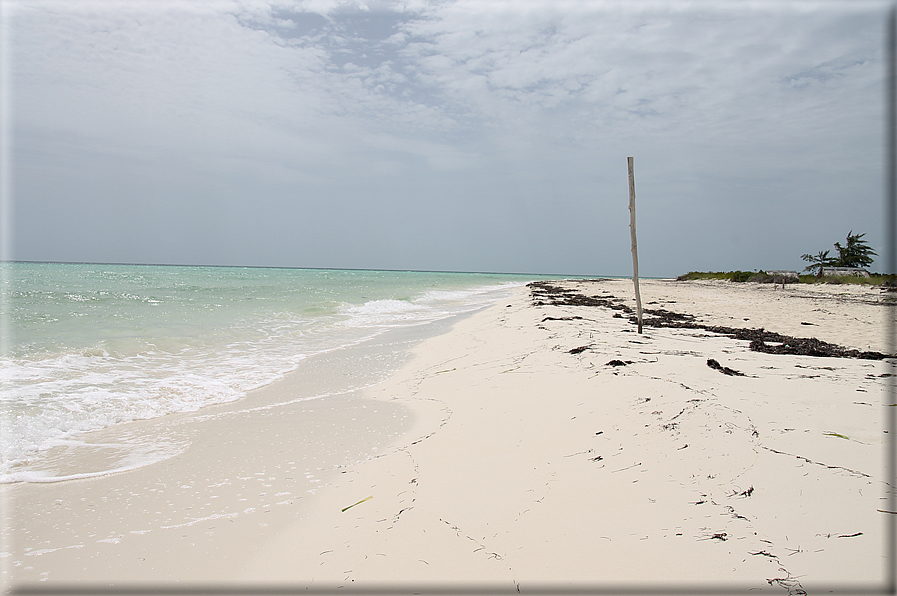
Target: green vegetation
818 261
875 279
727 275
855 253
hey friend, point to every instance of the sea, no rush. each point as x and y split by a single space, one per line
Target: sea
89 346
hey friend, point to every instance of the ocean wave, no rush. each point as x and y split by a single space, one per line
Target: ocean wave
220 337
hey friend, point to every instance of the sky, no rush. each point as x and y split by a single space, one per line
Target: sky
449 135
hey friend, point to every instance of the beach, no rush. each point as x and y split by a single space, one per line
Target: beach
537 444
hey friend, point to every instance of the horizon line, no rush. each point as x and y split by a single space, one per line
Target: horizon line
42 262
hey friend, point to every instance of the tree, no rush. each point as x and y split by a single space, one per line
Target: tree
818 261
857 252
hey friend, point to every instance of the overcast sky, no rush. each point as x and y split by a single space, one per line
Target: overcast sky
469 135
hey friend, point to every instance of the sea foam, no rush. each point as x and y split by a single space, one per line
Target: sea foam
99 345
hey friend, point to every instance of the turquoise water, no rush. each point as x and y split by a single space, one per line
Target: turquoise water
88 346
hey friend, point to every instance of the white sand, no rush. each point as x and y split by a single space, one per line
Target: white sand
526 466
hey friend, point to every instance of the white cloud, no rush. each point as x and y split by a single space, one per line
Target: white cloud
717 100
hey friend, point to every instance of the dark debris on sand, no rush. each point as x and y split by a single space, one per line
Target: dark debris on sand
723 369
768 342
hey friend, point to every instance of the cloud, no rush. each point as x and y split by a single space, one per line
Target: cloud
516 112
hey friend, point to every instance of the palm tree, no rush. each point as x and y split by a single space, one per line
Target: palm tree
857 252
818 261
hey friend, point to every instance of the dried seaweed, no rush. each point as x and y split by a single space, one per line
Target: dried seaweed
723 369
767 342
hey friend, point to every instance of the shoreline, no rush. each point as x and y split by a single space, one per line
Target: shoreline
528 465
227 463
345 370
101 347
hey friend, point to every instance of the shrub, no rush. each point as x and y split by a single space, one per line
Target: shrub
739 276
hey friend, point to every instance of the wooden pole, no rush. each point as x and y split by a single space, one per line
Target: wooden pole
638 298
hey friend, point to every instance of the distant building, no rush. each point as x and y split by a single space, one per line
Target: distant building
844 272
781 277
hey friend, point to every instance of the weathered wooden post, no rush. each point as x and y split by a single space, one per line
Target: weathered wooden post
638 298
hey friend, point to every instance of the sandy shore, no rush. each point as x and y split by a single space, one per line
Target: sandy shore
515 457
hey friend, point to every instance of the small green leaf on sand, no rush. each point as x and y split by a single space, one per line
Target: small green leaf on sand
358 503
836 435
